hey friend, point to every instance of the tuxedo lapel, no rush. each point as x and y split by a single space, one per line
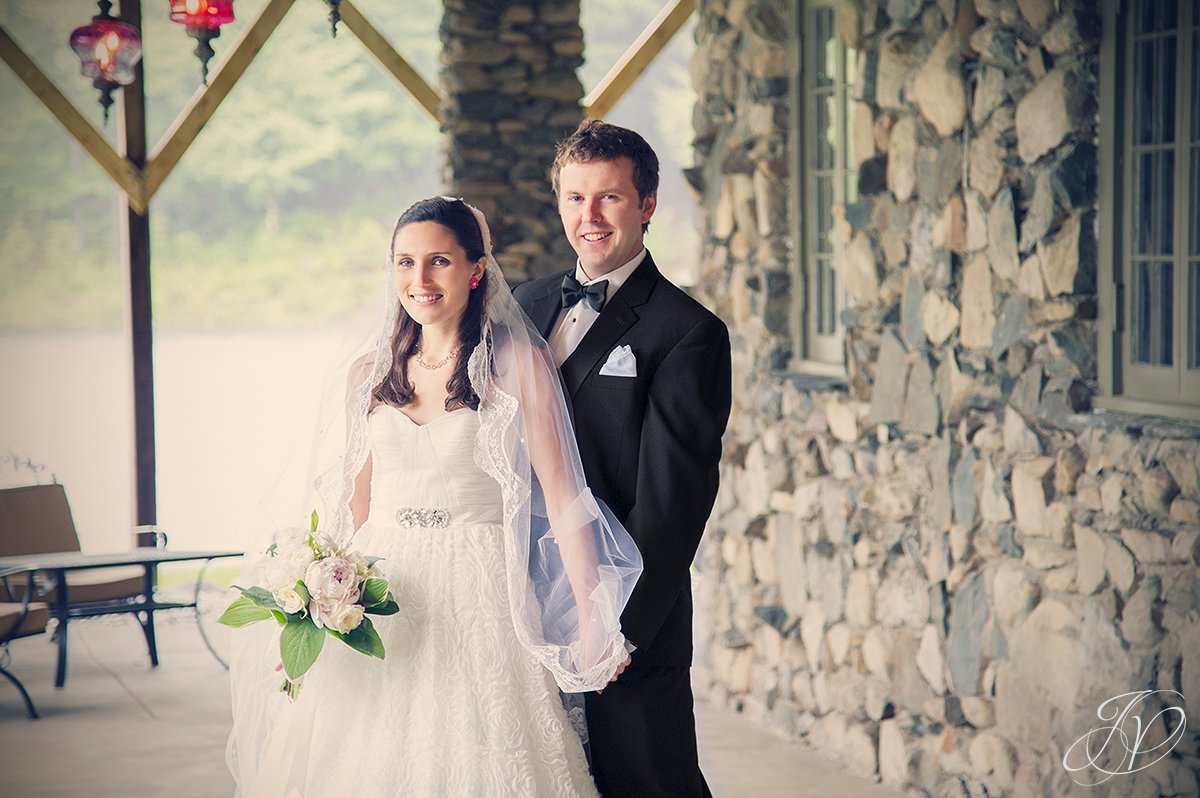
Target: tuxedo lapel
617 317
544 309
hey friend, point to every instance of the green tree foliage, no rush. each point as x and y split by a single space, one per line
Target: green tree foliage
279 212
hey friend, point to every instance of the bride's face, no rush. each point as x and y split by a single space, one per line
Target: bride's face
432 273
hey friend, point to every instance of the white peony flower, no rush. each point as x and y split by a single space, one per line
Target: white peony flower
333 580
346 618
288 599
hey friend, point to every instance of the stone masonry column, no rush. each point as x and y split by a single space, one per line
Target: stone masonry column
509 78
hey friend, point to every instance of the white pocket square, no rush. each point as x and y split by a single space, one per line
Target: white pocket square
620 363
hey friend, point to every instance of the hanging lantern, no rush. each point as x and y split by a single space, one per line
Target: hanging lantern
335 16
108 51
203 20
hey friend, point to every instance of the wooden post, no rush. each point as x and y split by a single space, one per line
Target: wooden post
135 240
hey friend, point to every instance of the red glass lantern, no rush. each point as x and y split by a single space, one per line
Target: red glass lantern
203 20
108 51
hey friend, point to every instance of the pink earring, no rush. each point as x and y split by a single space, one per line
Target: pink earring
473 282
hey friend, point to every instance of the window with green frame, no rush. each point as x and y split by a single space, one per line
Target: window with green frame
1150 190
824 175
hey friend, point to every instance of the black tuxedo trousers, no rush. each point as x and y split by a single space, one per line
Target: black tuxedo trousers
650 445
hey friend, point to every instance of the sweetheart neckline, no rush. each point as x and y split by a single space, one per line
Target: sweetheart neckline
409 419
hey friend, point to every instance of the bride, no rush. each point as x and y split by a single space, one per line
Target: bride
458 466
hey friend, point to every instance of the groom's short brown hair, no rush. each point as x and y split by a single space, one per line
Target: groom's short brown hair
595 140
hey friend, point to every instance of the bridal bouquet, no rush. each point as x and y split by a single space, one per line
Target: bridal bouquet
313 589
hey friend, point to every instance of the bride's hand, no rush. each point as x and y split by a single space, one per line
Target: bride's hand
620 669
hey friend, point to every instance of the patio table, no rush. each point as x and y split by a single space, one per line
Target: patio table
57 565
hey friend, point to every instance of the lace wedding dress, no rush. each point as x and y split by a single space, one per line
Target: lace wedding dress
458 707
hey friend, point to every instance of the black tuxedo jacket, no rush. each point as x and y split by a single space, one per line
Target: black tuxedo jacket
650 444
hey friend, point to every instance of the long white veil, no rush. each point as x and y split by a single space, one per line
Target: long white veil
570 565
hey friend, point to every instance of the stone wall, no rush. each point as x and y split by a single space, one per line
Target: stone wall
937 568
509 78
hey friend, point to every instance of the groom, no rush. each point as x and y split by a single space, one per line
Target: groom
647 370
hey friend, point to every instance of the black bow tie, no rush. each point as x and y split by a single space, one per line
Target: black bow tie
573 291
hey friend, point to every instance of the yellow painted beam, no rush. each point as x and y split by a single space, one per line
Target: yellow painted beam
127 176
205 101
600 100
391 60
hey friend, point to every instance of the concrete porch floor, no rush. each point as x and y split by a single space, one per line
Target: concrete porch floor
120 728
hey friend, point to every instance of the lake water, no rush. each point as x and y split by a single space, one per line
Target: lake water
231 410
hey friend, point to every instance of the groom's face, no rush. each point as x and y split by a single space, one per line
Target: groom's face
601 213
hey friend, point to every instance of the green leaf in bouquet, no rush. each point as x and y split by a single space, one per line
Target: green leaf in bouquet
299 644
313 528
243 612
372 560
388 607
302 590
260 596
363 638
375 591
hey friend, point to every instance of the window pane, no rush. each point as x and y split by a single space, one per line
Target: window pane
1140 314
1165 329
1144 15
819 298
824 47
1193 332
824 214
1193 212
1143 79
825 295
1168 13
1164 205
825 132
1164 89
1196 81
1143 202
831 300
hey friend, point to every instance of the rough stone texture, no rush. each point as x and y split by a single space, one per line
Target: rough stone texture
862 273
967 616
939 563
505 108
993 756
1002 238
893 756
1090 546
939 318
938 89
930 661
978 306
902 159
1057 106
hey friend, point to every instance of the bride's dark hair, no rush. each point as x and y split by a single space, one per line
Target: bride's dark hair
396 389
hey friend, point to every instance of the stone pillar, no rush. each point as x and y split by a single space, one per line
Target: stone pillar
509 77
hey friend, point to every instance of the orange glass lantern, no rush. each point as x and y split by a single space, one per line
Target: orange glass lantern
203 20
108 51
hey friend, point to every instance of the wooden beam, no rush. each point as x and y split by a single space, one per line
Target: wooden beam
207 99
390 59
135 240
600 100
126 175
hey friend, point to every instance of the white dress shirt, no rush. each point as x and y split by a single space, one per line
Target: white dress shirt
574 322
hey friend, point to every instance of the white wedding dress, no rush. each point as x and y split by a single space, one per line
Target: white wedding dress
458 707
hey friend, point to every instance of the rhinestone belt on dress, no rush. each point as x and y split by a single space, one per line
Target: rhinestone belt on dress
430 517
